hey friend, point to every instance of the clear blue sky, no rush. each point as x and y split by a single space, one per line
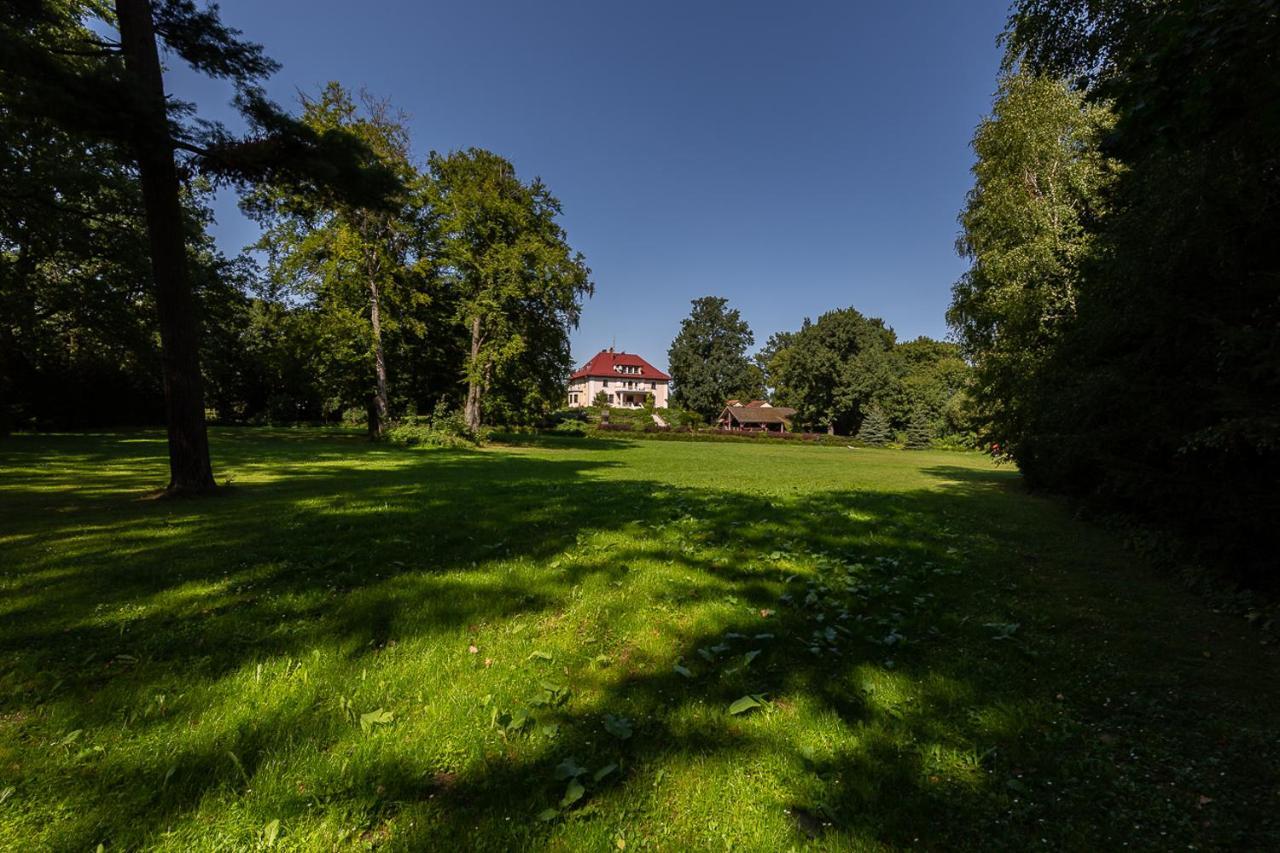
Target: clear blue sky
792 157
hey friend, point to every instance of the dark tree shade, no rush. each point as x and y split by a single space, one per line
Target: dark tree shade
57 70
1161 395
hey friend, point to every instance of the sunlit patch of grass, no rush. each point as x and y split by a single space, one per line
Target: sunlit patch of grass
363 647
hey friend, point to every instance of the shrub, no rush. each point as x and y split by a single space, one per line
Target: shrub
445 429
570 427
685 418
955 441
562 416
451 422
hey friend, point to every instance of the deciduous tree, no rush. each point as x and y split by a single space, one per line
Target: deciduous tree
358 266
831 371
1039 180
708 358
1159 397
105 83
517 282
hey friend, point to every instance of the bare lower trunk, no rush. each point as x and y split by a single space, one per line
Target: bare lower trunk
472 410
381 408
189 469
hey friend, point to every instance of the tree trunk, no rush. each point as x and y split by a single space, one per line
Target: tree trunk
472 411
378 424
189 469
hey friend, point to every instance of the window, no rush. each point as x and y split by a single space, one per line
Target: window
606 383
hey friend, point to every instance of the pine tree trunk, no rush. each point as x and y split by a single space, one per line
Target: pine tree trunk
189 469
378 425
472 411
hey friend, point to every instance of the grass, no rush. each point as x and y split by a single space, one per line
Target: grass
360 647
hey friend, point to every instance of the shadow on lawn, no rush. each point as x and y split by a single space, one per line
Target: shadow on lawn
326 554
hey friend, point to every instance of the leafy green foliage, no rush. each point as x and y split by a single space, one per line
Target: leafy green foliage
832 370
1155 394
518 284
619 727
445 428
1040 178
745 704
356 268
92 71
708 359
375 718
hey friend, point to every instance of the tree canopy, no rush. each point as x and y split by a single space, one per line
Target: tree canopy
708 358
1154 387
518 284
61 75
1039 182
360 268
374 263
832 370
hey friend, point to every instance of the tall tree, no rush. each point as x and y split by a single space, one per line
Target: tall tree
832 371
518 284
352 262
189 465
57 68
1160 397
931 376
1040 179
708 358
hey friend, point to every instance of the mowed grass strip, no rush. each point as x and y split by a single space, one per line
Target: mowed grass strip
601 645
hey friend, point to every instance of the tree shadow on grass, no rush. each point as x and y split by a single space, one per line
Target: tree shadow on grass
887 694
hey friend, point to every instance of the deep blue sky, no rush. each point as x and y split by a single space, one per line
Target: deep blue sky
793 157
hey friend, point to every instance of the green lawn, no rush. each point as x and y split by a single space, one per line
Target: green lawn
361 646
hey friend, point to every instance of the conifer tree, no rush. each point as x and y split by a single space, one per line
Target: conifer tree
94 70
919 431
875 428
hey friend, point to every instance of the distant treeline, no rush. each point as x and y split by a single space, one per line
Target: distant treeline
844 373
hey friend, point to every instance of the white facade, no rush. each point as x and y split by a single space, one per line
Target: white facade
623 392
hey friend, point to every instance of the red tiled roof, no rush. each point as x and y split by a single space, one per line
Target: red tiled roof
602 364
